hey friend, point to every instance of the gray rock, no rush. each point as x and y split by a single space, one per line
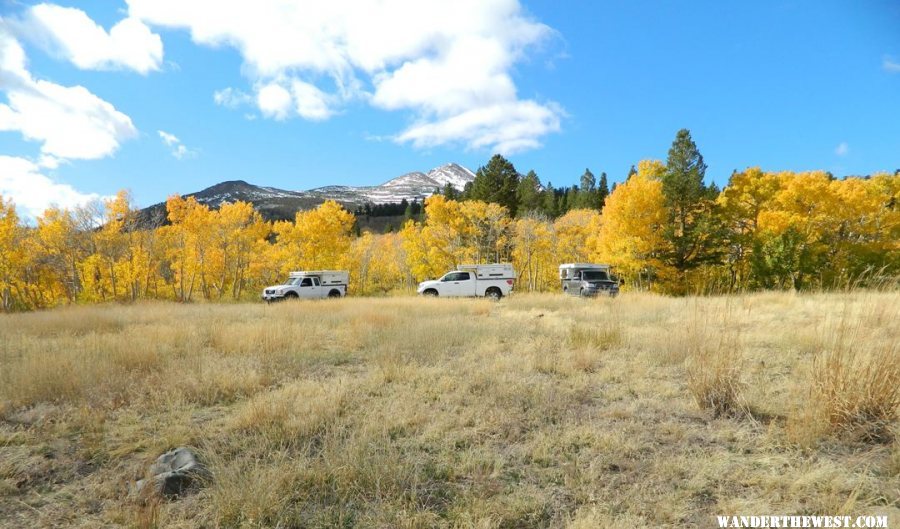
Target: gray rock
174 473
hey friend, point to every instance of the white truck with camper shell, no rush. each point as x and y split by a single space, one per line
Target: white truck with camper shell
313 284
588 280
488 280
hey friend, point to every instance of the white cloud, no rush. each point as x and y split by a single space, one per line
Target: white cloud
445 62
69 121
842 149
523 122
168 139
71 33
178 149
32 191
890 65
310 102
231 98
274 101
47 161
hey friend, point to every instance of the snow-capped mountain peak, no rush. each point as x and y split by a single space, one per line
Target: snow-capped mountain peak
453 174
414 178
280 204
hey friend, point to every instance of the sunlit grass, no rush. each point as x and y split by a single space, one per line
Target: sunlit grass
538 411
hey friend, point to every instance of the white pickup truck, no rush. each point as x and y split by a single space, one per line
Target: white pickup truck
490 280
312 284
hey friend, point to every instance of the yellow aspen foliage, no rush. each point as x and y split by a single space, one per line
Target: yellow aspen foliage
378 264
777 230
572 232
486 231
59 243
630 236
455 233
747 195
238 239
12 256
186 243
534 256
317 239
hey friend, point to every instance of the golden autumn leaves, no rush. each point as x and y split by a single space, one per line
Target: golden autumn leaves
782 230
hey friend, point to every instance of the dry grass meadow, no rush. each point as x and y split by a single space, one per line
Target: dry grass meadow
538 411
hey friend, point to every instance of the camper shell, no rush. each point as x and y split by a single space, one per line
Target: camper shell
588 279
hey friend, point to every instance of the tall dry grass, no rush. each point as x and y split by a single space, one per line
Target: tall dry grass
854 386
711 349
538 411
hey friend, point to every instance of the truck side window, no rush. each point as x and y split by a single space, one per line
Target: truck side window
307 282
462 276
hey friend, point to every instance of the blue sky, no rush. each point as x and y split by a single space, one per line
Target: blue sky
265 94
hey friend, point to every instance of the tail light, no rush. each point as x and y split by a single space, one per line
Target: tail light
509 281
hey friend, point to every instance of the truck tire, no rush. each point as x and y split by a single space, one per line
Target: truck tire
291 296
431 293
493 294
335 293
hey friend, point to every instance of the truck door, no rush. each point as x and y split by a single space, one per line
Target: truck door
465 285
306 288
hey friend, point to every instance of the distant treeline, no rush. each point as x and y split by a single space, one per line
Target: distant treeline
663 229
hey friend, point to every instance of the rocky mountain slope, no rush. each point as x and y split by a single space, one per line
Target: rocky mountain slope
281 204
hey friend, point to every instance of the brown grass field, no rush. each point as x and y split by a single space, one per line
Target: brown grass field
538 411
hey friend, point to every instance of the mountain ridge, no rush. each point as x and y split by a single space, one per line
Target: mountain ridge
282 204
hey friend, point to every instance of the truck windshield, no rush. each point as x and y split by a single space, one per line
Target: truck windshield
595 275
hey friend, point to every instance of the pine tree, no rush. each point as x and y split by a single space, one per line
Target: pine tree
528 192
571 199
450 192
588 192
631 172
602 191
466 192
548 201
691 232
496 182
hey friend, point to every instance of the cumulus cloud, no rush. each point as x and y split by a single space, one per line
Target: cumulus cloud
274 101
843 149
69 122
448 63
71 33
178 149
523 123
32 191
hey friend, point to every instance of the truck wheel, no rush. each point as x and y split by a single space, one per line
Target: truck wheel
291 295
431 293
493 294
335 293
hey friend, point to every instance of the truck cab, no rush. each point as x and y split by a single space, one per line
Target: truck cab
588 280
309 285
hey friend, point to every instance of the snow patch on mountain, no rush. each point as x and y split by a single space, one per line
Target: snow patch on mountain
276 203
